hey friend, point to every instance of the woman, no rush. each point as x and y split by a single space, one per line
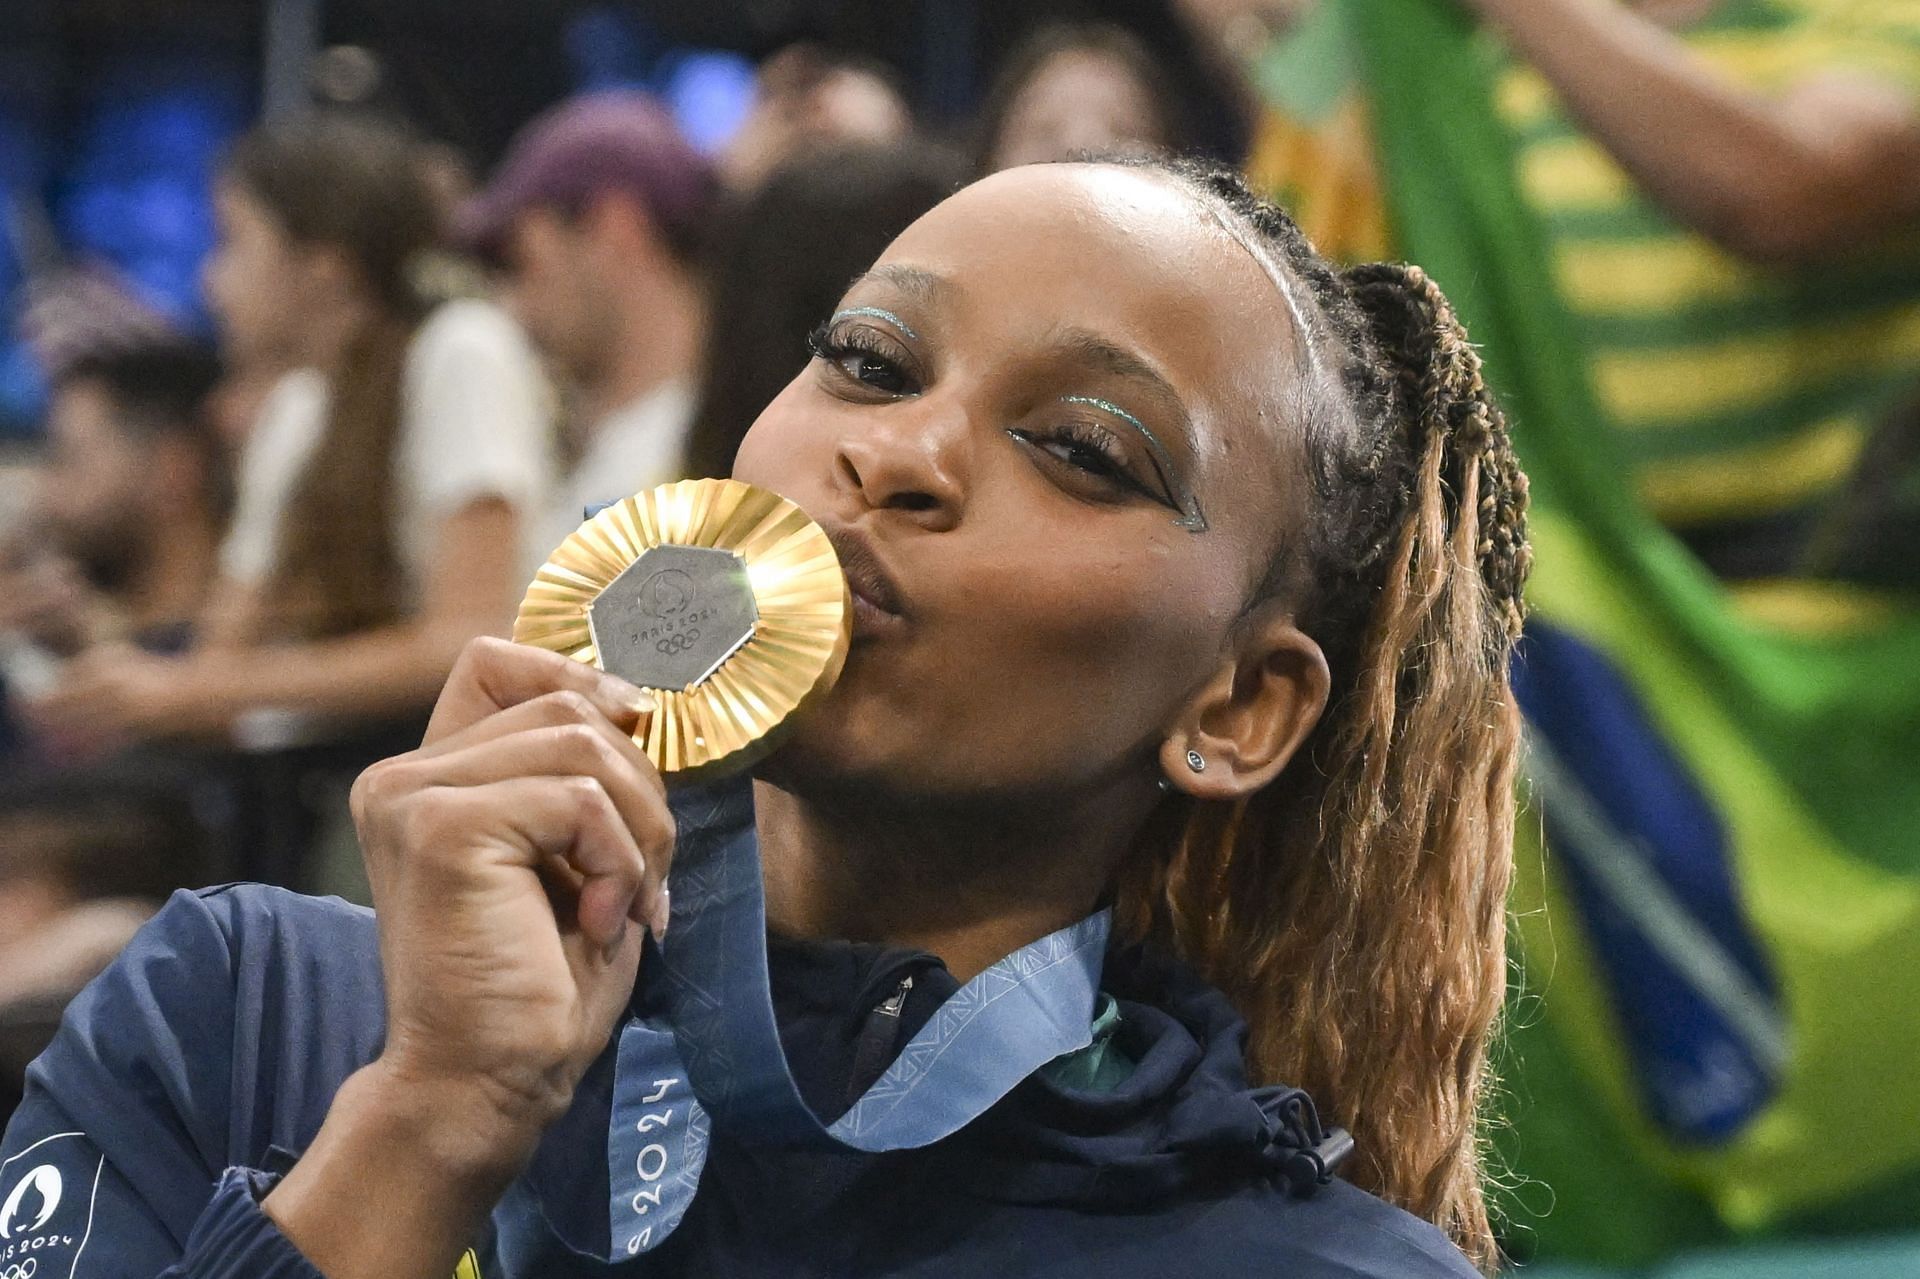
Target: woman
1185 572
383 488
1076 88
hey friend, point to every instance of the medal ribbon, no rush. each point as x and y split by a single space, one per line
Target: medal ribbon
718 1037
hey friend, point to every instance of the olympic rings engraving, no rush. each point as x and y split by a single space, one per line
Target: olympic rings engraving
678 642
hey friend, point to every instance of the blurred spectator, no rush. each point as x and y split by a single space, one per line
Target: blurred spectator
80 870
783 258
383 492
1744 284
1079 88
123 528
76 311
597 214
807 97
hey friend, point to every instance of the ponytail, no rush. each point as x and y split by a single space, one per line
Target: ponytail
1354 910
361 188
338 570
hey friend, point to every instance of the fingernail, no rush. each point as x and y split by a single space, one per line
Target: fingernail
631 696
662 914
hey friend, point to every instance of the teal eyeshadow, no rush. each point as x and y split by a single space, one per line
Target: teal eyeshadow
1190 519
874 312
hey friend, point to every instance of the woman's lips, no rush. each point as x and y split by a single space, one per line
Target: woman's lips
870 620
877 606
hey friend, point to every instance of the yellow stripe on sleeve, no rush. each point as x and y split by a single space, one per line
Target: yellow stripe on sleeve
1735 483
1569 175
1524 99
1650 276
1813 609
1680 384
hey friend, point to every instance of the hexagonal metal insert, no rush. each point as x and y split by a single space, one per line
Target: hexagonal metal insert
674 616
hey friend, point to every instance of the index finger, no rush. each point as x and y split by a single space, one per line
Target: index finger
494 674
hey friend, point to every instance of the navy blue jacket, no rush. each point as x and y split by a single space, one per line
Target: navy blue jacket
192 1073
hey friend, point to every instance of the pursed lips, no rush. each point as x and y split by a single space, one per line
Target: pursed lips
877 600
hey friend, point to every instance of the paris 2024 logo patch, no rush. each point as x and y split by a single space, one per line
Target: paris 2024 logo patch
47 1210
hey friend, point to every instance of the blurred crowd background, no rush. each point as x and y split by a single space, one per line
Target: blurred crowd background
325 319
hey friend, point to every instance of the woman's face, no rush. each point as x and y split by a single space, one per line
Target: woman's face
1078 101
257 281
1050 419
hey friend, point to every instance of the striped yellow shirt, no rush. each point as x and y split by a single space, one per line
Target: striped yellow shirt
1736 390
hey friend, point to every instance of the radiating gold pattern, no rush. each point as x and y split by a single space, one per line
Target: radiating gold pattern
799 643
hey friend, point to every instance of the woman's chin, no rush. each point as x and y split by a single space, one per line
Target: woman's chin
827 757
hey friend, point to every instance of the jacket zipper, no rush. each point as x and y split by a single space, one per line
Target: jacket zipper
878 1040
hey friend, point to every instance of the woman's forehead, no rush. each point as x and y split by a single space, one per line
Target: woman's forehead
1156 228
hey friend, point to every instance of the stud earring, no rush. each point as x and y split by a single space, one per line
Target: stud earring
1165 784
1196 762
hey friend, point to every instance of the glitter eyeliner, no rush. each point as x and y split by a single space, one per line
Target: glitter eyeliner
876 313
1190 518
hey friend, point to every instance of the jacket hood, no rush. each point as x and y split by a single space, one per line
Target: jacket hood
1185 1119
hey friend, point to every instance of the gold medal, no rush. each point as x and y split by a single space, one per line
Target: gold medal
723 598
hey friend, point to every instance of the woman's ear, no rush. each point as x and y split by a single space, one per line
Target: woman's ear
1243 726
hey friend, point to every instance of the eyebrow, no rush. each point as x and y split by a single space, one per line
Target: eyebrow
916 282
1110 357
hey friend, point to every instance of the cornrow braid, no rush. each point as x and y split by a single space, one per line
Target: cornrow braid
1442 389
1354 910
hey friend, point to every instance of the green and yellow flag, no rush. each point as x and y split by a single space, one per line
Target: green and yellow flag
1718 910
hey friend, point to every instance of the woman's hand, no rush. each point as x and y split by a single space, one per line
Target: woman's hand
116 694
510 858
50 602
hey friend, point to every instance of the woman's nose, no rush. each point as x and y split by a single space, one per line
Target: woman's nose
914 463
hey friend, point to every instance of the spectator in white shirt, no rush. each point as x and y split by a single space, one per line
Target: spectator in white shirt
386 488
596 216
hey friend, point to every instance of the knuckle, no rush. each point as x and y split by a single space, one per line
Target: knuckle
659 836
421 822
375 789
473 654
569 706
589 797
490 648
582 744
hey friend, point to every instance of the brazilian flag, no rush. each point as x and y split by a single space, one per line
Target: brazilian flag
1716 1030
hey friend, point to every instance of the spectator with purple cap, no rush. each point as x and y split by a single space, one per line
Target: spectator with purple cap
595 217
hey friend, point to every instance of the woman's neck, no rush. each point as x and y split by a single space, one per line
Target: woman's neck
970 888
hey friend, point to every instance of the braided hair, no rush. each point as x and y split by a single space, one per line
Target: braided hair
1354 909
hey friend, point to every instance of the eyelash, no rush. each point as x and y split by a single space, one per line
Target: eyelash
835 346
1099 456
1092 444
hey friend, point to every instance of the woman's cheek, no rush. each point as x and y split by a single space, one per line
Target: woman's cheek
1101 615
775 451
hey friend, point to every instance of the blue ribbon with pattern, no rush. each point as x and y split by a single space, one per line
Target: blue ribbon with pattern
717 1049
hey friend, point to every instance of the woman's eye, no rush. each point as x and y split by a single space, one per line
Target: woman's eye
1080 454
857 359
1088 453
875 371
